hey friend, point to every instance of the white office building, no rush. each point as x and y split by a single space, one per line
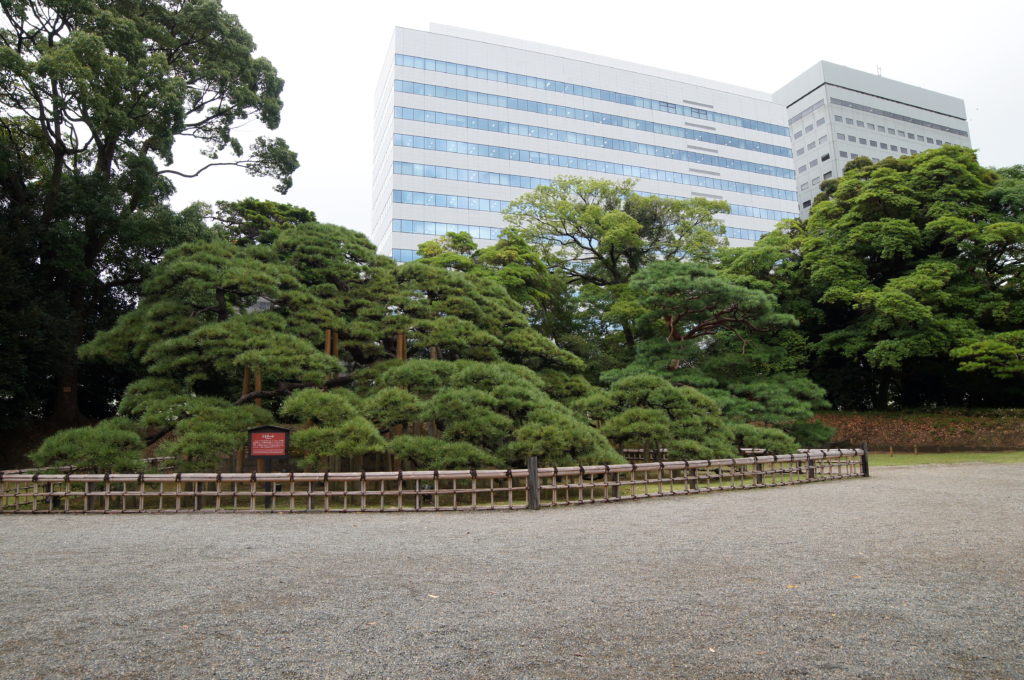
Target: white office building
467 121
837 113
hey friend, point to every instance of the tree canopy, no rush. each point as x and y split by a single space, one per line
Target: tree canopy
93 98
901 264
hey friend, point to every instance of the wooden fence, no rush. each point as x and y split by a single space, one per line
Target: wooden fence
414 491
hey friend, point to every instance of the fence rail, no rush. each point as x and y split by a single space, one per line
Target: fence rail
414 491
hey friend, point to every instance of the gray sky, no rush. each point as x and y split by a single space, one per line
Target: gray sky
330 55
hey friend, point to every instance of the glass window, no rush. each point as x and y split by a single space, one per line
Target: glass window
871 126
891 131
843 154
860 123
849 121
873 143
901 133
814 162
839 119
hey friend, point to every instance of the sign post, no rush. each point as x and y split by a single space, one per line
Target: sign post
265 444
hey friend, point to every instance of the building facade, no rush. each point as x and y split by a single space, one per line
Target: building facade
836 113
466 122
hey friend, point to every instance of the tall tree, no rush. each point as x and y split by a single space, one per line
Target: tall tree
93 97
901 262
597 234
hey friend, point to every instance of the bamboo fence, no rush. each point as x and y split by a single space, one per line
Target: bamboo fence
415 491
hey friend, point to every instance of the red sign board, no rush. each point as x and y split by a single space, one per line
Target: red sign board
268 443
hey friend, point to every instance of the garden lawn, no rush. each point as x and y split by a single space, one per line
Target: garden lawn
878 459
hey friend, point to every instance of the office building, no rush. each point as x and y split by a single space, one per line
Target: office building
466 122
836 113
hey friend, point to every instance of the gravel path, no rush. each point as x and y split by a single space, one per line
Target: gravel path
913 573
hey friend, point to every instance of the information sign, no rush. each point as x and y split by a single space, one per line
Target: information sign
268 441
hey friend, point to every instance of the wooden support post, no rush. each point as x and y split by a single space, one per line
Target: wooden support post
259 386
864 470
532 485
400 350
758 474
811 469
246 379
328 336
435 353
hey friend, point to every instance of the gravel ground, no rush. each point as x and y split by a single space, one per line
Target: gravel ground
913 573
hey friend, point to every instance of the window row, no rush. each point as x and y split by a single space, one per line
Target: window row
490 205
404 255
843 154
813 107
584 91
449 201
441 228
407 255
507 128
874 143
899 133
897 116
573 162
810 128
501 101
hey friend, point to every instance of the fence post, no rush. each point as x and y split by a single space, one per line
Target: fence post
864 470
758 474
811 471
532 485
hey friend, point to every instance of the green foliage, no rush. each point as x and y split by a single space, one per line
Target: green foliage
556 437
773 441
211 437
644 411
318 407
1001 354
595 235
93 97
355 436
391 406
429 453
906 261
109 446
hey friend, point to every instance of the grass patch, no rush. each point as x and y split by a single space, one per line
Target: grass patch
881 459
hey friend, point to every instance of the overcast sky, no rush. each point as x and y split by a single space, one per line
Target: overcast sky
330 55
